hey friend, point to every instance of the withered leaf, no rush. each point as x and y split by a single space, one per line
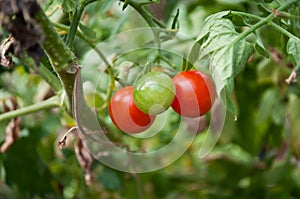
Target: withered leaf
13 128
17 17
85 160
5 46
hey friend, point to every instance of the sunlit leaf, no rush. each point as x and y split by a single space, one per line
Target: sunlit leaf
228 53
209 21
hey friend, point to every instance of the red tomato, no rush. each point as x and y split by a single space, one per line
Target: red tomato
124 113
195 93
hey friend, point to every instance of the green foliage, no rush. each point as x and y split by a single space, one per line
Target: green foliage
228 53
249 47
293 48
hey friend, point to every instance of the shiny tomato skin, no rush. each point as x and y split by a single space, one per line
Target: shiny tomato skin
124 113
195 93
154 92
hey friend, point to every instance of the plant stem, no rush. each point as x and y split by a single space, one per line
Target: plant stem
81 36
274 25
138 6
49 103
263 21
284 31
74 24
75 21
253 28
287 4
101 55
152 22
49 78
61 57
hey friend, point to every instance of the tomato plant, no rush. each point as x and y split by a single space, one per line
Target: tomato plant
124 113
58 56
154 92
195 93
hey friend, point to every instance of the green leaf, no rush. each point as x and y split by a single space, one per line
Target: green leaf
260 47
269 106
192 57
34 175
69 5
209 21
293 49
88 32
228 53
110 179
175 20
263 8
126 3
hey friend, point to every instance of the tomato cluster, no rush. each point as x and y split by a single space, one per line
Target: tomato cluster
190 94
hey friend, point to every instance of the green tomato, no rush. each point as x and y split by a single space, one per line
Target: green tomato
154 92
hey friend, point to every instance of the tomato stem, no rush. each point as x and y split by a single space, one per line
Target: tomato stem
49 103
75 20
267 20
61 57
74 25
50 78
271 23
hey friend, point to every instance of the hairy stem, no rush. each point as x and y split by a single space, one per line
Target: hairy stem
61 57
101 55
50 78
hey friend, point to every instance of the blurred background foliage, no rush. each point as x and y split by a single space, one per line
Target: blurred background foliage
257 156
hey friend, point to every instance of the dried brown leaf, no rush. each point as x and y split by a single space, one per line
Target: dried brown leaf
17 17
5 47
13 128
63 141
85 160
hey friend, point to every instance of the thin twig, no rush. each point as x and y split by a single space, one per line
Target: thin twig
62 142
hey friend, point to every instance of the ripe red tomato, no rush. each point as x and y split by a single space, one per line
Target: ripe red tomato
124 113
195 93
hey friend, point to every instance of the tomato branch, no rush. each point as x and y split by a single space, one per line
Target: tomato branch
264 21
75 20
271 23
50 78
61 57
49 103
74 24
100 54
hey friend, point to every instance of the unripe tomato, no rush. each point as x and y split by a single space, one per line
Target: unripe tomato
124 113
154 92
195 93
